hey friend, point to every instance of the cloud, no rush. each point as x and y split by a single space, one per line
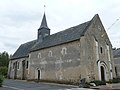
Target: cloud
20 19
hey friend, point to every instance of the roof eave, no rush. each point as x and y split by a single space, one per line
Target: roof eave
19 57
54 45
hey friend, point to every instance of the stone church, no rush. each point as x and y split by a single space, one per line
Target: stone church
82 51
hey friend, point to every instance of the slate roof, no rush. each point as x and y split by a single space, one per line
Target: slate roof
44 23
23 50
67 35
116 52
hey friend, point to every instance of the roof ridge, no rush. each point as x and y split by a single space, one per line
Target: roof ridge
29 42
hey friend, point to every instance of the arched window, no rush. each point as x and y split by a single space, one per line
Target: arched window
64 51
39 55
50 53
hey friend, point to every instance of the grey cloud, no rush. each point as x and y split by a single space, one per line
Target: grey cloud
19 20
9 38
10 45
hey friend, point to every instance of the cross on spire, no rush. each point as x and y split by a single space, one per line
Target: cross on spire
44 8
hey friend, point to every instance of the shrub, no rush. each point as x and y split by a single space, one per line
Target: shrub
115 80
98 82
1 80
3 71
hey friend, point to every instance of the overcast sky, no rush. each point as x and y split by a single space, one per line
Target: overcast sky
20 19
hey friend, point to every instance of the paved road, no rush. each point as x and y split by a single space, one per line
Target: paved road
23 85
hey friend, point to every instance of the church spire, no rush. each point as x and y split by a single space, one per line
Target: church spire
43 31
44 22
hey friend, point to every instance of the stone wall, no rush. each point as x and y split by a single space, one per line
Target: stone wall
16 68
96 33
77 59
57 63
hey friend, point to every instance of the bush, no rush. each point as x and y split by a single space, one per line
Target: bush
1 80
98 82
3 71
115 80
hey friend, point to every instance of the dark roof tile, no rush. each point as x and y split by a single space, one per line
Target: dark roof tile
67 35
116 52
23 50
44 22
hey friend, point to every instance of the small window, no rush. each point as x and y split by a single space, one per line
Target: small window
18 65
27 64
39 55
50 54
64 51
101 50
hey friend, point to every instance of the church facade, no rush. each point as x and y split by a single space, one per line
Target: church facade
82 51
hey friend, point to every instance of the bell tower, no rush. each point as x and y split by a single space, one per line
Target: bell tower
43 31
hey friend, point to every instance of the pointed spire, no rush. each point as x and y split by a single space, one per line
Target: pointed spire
43 30
44 22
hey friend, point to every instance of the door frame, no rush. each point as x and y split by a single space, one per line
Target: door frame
105 68
102 73
38 74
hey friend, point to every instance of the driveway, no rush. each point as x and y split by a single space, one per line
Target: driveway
24 85
10 84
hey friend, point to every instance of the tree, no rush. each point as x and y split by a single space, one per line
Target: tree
3 71
4 61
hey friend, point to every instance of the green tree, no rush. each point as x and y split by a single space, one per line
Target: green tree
3 71
4 61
